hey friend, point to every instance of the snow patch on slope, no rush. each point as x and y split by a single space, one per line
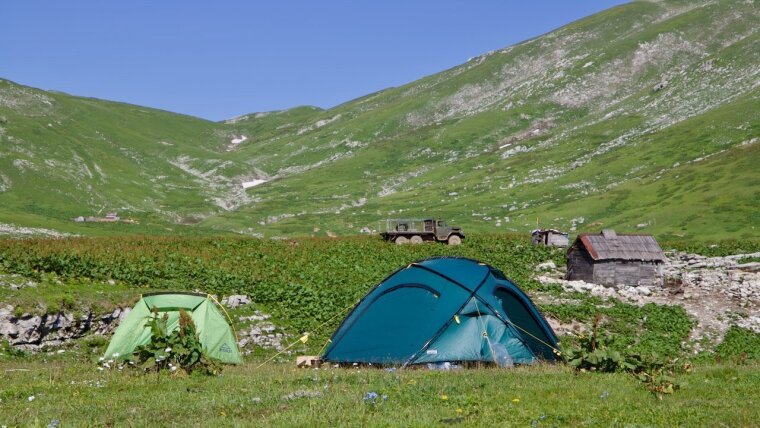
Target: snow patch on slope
253 183
236 141
239 140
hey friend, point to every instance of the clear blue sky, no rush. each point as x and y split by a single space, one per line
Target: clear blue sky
218 59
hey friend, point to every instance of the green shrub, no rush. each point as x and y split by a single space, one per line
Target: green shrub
6 349
596 353
95 342
647 329
739 344
179 350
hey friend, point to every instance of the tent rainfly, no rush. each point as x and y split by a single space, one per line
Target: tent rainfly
443 309
214 332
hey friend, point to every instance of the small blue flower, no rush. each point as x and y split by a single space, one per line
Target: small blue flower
534 422
370 397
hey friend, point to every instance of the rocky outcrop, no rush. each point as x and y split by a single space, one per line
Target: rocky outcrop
34 332
236 300
260 332
717 292
723 275
15 282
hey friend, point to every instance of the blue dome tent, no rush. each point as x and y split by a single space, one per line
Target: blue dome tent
444 309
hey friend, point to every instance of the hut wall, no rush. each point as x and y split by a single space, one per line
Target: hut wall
558 240
580 265
633 273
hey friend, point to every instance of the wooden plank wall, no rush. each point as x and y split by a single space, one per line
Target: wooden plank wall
579 266
633 273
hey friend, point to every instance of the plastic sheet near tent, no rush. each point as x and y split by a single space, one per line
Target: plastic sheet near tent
445 309
214 332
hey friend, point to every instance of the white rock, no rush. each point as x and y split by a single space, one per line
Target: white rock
237 300
549 265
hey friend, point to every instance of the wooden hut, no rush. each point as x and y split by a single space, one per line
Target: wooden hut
549 237
610 259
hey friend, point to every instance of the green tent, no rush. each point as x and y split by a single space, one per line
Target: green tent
215 333
443 309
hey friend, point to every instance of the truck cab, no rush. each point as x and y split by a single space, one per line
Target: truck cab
441 229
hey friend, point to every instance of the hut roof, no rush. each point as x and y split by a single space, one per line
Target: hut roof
608 245
546 232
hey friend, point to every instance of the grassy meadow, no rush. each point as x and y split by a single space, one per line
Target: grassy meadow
69 389
306 284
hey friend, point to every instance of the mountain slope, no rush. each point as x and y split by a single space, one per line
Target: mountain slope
644 116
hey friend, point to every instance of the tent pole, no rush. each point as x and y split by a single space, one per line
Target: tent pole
237 340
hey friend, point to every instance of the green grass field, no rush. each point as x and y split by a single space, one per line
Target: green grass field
70 389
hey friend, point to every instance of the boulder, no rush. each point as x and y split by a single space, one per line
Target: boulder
236 300
549 265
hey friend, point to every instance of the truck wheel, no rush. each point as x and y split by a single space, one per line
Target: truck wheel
454 240
416 239
401 240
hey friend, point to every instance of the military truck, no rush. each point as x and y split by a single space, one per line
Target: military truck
417 231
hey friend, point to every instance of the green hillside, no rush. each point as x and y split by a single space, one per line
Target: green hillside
642 117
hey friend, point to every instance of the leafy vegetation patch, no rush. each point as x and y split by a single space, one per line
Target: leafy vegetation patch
748 259
739 345
306 284
53 294
305 281
716 249
173 351
596 352
644 329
